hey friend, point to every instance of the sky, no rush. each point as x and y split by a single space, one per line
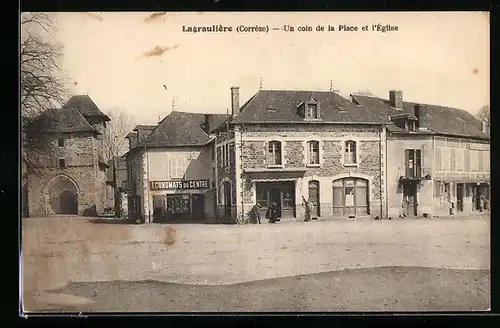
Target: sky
124 60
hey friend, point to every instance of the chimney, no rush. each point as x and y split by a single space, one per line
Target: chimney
416 111
132 140
206 125
235 101
396 99
485 127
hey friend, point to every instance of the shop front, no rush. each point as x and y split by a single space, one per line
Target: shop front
180 201
281 193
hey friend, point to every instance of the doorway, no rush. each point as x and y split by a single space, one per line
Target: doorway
410 198
198 204
226 186
460 197
314 198
67 201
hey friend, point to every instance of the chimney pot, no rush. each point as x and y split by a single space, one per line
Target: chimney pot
235 101
396 99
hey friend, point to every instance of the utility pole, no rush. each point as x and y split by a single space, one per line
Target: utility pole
260 87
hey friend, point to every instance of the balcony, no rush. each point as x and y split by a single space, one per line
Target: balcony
416 173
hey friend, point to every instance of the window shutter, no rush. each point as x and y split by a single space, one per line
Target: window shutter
452 159
467 160
437 159
407 160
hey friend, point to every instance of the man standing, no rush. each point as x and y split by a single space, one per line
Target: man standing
256 213
307 209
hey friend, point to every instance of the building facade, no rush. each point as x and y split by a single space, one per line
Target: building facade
437 158
287 146
72 178
171 169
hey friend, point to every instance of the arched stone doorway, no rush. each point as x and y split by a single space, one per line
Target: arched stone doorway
63 195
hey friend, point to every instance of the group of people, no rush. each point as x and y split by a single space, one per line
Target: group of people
272 211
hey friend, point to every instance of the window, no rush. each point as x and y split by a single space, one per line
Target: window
177 166
350 153
313 152
411 126
474 160
225 155
62 163
274 153
312 111
60 142
350 197
459 160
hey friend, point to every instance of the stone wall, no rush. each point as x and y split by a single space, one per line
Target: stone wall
80 154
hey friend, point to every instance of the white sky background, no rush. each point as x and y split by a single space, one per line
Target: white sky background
437 58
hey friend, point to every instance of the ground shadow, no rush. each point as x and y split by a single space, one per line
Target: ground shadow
112 221
364 289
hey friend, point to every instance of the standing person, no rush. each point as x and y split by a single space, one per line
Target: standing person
481 203
307 209
273 213
256 213
311 209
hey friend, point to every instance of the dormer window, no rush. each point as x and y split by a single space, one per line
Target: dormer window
271 108
312 111
340 108
309 109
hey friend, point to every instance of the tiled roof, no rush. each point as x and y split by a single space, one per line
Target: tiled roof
180 129
85 106
66 119
438 119
270 106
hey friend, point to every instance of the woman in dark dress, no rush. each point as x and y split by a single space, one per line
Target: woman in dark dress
273 213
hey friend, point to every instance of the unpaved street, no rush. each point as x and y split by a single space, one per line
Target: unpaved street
62 250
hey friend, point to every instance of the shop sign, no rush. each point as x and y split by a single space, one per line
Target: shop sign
182 184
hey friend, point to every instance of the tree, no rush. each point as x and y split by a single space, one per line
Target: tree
484 114
365 92
42 86
116 130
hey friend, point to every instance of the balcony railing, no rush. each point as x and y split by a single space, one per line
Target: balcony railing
417 173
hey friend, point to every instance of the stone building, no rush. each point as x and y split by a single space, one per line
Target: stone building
171 169
437 157
73 177
281 146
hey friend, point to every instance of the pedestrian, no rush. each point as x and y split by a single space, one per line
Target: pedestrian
273 212
307 209
256 213
481 203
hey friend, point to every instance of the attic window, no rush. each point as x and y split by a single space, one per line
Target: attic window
271 108
340 108
458 118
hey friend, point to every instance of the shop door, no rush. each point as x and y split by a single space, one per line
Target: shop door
460 197
198 207
314 198
275 196
410 199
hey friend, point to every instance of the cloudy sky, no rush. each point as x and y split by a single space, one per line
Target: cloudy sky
122 60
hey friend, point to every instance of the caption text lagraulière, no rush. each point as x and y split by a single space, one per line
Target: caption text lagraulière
383 28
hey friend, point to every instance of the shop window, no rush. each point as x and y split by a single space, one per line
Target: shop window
313 152
274 154
350 197
350 153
